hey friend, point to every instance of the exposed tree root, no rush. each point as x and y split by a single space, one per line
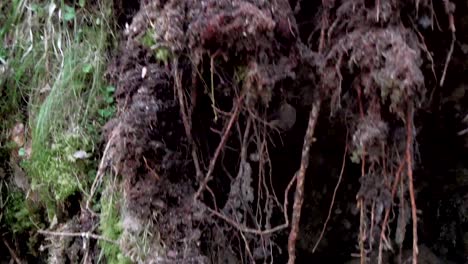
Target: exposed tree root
409 165
299 195
224 138
333 198
383 238
447 61
240 62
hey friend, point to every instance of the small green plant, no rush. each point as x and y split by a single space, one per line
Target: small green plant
18 215
110 227
148 40
71 100
107 107
52 62
69 13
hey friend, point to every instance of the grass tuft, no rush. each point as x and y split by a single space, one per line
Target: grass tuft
111 226
52 62
59 58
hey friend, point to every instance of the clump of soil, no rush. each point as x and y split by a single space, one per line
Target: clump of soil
211 92
153 134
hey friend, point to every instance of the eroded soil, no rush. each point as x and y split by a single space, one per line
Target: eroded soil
213 104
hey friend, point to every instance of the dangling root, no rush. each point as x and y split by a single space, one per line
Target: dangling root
333 198
299 195
387 212
227 130
409 161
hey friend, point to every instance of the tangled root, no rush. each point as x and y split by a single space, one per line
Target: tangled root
200 78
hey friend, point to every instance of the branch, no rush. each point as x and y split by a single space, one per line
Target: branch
77 234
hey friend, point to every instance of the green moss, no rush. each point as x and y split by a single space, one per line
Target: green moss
52 64
55 169
58 77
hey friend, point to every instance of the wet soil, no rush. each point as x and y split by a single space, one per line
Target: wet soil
205 97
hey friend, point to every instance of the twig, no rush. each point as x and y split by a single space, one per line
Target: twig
333 199
361 205
409 165
377 7
153 172
326 5
362 232
402 212
462 132
246 229
77 234
257 231
219 148
449 10
12 252
299 195
417 7
213 196
101 169
186 120
429 56
247 248
387 211
212 97
322 31
425 48
447 61
371 231
434 17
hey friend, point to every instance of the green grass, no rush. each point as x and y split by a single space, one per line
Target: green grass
52 62
10 96
110 225
57 63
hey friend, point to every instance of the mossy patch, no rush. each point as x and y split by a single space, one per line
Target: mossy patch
52 62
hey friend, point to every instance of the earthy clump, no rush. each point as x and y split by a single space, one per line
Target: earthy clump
202 87
237 131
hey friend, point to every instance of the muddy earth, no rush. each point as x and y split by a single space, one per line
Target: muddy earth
255 131
215 98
